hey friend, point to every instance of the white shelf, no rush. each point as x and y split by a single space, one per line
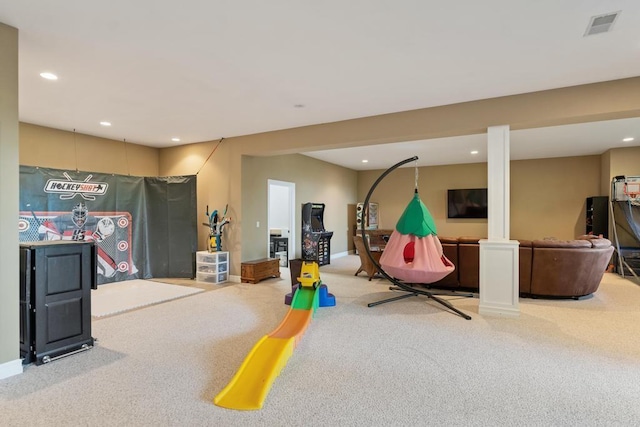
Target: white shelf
212 267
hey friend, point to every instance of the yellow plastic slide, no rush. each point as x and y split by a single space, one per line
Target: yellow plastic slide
249 387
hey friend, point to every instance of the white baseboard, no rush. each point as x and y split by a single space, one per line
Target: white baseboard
339 255
9 369
234 279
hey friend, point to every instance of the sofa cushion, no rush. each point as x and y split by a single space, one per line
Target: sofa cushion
577 244
600 243
587 237
469 240
449 240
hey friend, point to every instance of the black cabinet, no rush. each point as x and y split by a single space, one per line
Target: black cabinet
56 279
597 221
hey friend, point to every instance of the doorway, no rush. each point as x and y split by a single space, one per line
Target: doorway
281 198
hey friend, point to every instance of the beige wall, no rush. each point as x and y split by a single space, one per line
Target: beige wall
316 181
59 149
623 161
9 255
211 162
396 190
547 195
605 173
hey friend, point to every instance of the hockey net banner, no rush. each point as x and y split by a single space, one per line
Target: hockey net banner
111 232
142 227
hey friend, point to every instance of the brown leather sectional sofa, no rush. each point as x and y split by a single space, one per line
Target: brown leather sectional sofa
548 268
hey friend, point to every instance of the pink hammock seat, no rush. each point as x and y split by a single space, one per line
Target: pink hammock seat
415 259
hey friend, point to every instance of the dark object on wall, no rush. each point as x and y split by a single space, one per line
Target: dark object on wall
369 216
597 221
56 279
316 241
467 203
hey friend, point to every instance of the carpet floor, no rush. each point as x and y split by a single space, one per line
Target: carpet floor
405 363
114 298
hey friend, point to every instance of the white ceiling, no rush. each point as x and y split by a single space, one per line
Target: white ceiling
201 70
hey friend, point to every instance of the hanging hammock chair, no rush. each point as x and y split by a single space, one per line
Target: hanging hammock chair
413 255
413 252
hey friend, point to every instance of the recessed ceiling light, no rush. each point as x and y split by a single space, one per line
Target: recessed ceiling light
48 76
627 139
365 161
105 123
474 152
175 139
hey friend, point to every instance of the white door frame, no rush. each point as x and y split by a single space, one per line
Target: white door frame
291 186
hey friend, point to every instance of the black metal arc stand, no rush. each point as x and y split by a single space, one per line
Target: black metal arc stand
415 292
411 291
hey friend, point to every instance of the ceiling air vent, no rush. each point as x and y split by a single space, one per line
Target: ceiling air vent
601 23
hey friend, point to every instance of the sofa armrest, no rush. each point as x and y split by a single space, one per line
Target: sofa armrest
572 271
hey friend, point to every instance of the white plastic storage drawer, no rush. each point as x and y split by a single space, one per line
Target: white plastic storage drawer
211 257
212 267
211 277
207 267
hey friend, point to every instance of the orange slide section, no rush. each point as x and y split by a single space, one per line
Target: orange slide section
249 387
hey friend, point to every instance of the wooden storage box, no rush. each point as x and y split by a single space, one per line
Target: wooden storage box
254 271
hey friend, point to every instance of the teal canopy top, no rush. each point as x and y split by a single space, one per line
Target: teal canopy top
416 219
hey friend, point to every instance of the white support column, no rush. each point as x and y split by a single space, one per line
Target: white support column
499 260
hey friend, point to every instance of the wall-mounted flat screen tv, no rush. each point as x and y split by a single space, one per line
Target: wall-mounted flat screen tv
467 203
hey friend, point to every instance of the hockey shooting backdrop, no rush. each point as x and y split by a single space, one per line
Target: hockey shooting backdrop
143 227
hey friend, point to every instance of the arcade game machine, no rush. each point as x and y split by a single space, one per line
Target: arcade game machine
316 241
